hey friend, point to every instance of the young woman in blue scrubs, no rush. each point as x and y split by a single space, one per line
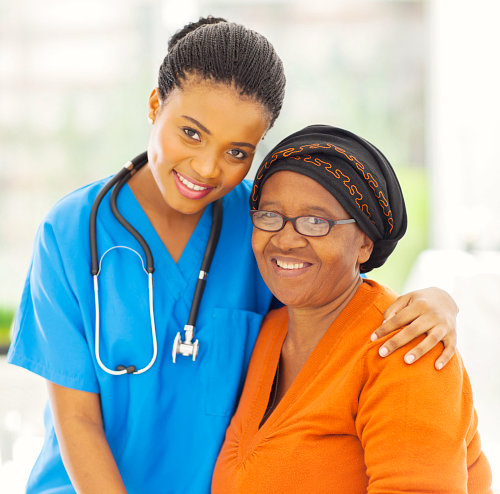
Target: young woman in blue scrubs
221 87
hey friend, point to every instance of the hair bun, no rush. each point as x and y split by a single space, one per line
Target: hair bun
222 52
203 21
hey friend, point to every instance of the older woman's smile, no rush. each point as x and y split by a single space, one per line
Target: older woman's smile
287 266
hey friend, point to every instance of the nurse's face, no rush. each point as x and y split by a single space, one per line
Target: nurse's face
202 142
307 271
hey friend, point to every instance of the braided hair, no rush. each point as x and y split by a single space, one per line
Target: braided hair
228 53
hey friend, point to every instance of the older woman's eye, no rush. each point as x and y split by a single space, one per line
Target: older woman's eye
191 133
268 215
267 220
238 154
314 220
312 225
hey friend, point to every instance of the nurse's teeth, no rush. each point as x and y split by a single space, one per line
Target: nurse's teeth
190 185
286 265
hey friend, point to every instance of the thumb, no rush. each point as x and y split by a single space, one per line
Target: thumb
399 304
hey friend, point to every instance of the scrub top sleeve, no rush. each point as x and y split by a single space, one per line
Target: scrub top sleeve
48 334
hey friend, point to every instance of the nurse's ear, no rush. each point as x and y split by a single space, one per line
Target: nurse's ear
154 104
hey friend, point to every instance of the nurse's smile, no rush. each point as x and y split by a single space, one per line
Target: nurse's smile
190 188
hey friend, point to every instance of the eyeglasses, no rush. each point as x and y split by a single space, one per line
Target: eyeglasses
310 226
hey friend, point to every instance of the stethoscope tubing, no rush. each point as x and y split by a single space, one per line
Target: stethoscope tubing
97 329
207 261
116 183
127 225
130 166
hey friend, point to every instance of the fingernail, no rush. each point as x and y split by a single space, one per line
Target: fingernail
383 352
409 358
439 365
373 337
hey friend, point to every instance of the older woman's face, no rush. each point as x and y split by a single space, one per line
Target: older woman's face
307 271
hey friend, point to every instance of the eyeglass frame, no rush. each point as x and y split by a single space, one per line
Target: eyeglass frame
286 219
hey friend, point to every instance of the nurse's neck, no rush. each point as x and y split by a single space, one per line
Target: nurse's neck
173 227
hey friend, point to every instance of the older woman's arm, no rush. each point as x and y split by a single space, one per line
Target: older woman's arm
418 428
430 311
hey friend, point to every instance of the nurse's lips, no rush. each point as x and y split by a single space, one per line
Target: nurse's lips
190 188
290 267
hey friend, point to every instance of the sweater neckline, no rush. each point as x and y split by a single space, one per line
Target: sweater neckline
252 434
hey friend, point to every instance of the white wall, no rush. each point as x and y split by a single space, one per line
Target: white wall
463 129
464 122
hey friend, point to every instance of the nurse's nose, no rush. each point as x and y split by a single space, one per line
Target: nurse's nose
206 166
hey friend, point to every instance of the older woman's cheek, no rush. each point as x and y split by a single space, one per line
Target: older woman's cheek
259 242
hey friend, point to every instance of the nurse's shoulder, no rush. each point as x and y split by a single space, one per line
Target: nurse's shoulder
240 194
73 209
236 224
64 232
237 201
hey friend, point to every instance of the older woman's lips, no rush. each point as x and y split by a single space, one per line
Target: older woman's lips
290 267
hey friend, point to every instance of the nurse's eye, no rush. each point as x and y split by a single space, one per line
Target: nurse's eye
191 133
238 154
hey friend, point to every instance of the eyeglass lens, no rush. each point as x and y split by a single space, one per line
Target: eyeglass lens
305 225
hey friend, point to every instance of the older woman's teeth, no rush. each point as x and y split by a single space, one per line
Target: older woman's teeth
286 265
190 185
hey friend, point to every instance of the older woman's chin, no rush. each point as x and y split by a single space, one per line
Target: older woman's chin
301 293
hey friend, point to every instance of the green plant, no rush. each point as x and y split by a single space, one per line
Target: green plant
415 189
6 318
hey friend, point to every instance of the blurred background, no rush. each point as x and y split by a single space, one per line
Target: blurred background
418 78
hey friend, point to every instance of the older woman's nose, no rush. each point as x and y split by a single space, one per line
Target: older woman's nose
288 239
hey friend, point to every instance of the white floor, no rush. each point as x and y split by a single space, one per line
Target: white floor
23 397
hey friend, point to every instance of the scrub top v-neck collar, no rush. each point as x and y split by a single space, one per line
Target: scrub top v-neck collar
188 265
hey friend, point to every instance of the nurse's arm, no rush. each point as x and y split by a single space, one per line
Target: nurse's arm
430 311
84 449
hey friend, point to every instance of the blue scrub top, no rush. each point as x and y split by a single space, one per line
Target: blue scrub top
165 427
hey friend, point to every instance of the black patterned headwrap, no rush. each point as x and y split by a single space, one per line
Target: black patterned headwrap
354 171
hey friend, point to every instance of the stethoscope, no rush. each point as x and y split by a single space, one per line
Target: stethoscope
188 347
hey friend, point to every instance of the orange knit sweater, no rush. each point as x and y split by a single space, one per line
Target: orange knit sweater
353 422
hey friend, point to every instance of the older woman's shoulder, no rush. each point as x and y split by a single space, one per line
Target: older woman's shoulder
380 296
365 312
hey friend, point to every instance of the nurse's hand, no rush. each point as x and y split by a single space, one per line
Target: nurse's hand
84 449
430 311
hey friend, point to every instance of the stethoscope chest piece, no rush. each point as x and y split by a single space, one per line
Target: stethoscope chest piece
187 348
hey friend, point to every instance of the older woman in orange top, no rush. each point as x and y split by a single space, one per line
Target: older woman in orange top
320 412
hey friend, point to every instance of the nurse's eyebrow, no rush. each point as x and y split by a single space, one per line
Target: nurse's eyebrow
201 126
204 129
243 144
